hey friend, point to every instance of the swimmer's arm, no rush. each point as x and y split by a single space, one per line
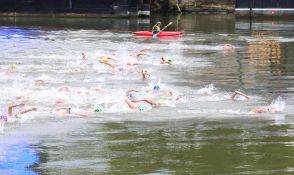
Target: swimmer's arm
26 111
130 105
10 108
238 93
81 114
132 90
140 54
112 58
58 109
108 64
101 90
258 110
144 50
135 72
133 64
149 101
21 97
263 109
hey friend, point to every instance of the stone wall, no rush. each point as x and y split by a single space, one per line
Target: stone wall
210 6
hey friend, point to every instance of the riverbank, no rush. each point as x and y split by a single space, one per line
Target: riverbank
197 6
73 15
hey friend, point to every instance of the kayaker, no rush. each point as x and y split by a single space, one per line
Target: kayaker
156 27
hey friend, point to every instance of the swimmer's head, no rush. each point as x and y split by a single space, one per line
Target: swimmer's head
105 60
68 110
170 60
161 103
13 66
3 118
156 87
130 96
144 71
120 69
141 108
98 108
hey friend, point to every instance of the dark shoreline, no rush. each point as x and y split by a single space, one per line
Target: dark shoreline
135 15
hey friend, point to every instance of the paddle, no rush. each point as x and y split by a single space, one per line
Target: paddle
155 35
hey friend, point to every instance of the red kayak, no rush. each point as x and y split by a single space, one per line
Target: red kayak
161 34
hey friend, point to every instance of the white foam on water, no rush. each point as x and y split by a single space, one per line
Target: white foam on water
278 104
86 83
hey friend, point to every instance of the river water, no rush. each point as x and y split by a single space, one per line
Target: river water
204 132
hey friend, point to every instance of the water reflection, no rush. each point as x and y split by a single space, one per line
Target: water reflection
123 24
198 23
199 147
264 52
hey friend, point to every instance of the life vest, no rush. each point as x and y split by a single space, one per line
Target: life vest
155 29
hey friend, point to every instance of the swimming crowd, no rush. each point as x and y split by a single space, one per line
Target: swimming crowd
151 95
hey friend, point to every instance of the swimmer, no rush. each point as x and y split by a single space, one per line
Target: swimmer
113 57
265 109
130 93
132 106
98 108
100 90
133 64
141 53
167 61
22 97
3 119
156 89
209 91
59 102
64 89
145 50
169 93
13 66
11 107
149 101
228 47
236 95
143 72
9 71
39 82
65 111
105 61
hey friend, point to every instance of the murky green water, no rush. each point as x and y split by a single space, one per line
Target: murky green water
200 135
